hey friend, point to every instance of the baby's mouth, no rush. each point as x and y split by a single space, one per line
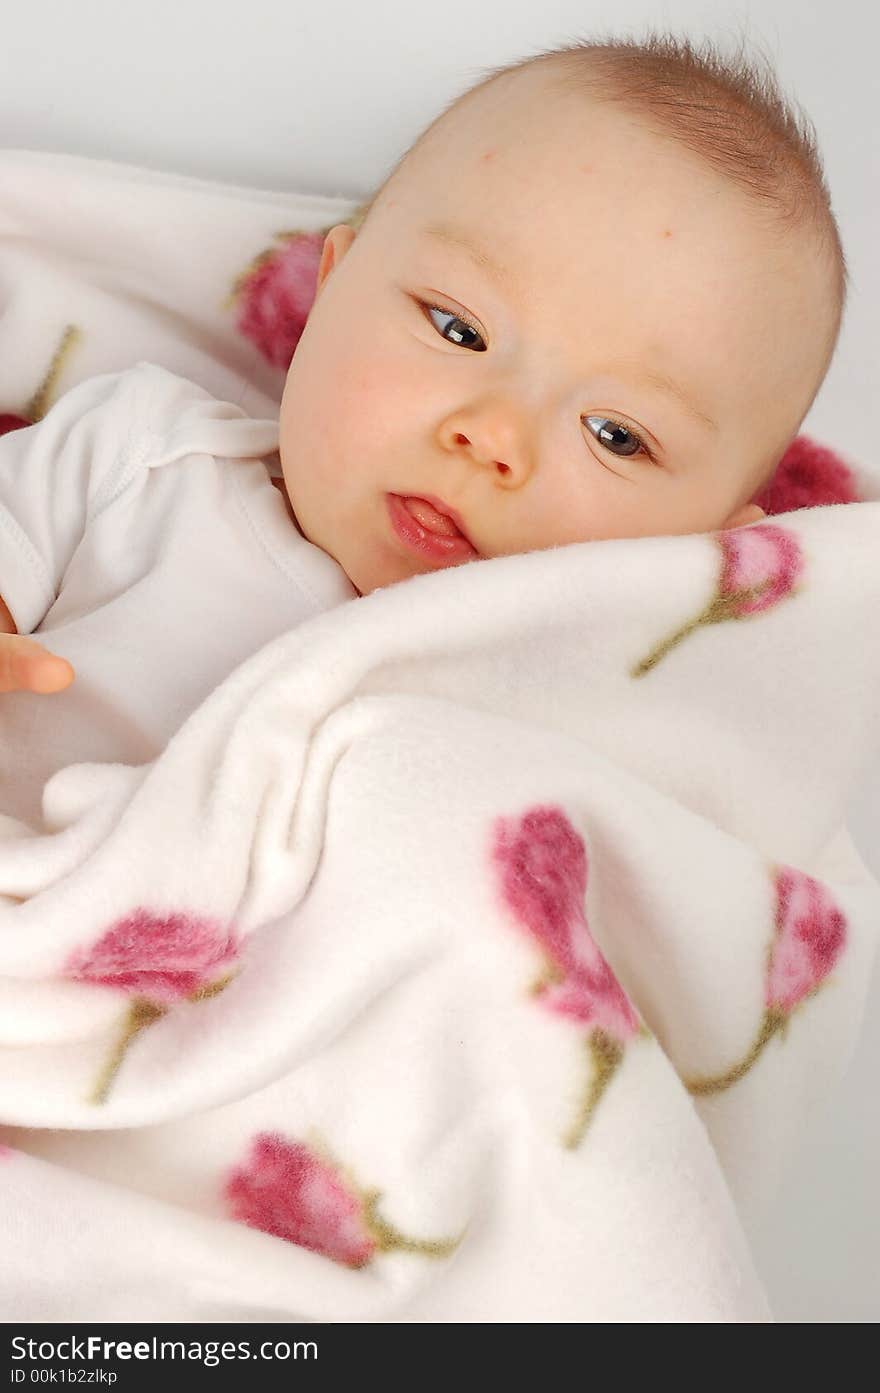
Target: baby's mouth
427 531
436 516
425 513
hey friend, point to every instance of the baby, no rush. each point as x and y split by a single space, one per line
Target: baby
563 324
595 299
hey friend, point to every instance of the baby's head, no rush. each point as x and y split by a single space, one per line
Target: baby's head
638 284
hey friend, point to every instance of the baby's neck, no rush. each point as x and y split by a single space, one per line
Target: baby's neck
279 484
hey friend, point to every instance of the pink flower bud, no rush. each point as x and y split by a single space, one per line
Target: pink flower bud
542 862
809 475
761 565
10 422
285 1190
810 933
276 293
810 936
160 957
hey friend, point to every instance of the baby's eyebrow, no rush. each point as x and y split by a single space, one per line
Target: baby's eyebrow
667 385
454 237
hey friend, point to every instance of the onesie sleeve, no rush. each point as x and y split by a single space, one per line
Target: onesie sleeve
55 475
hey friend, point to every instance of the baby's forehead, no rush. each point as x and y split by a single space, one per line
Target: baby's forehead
529 159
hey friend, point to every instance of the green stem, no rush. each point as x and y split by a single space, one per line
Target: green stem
390 1239
606 1055
709 615
40 402
773 1021
720 608
141 1013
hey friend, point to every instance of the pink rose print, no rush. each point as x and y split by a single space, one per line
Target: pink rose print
809 475
287 1190
541 862
275 293
10 422
6 1152
760 567
810 935
160 956
160 959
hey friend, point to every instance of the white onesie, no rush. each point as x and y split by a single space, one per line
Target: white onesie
141 535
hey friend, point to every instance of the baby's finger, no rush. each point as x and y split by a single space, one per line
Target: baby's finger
26 666
49 674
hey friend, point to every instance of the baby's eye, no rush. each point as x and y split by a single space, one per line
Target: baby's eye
609 437
456 319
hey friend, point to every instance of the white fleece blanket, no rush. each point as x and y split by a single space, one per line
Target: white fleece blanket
475 952
478 950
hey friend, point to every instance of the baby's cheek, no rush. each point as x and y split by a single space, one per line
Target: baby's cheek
381 397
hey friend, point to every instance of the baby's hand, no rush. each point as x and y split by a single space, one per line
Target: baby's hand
25 666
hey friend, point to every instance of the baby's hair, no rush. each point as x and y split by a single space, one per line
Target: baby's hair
729 111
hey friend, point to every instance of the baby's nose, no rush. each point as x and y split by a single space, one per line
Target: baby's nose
461 439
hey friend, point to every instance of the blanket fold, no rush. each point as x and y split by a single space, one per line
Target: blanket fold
476 951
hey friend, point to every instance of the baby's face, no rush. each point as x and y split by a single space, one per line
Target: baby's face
530 400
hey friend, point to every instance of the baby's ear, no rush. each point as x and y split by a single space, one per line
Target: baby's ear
743 516
336 244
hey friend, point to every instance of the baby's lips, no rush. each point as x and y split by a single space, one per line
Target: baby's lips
428 516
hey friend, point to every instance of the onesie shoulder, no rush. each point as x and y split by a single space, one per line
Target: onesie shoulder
97 442
185 418
54 475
